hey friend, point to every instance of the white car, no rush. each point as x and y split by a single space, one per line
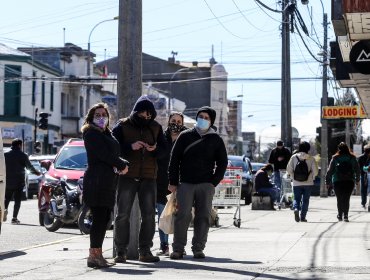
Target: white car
2 180
33 181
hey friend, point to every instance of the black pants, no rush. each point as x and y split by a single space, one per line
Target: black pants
343 191
101 217
17 199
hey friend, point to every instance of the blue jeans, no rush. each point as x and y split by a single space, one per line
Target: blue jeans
277 179
273 192
301 199
146 190
163 237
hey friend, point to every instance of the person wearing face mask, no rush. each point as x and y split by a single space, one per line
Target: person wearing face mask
262 182
197 165
142 142
175 126
104 164
302 189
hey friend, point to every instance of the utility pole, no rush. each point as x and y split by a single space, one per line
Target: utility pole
286 115
129 83
324 122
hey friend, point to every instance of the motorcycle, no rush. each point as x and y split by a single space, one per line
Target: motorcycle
61 203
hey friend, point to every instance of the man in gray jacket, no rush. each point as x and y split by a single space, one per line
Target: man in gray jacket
302 188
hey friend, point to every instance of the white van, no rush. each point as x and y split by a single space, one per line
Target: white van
2 179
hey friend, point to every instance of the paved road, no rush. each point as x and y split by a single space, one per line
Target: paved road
268 245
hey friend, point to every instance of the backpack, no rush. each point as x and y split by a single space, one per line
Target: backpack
344 169
301 172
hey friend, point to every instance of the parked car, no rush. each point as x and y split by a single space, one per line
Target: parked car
257 166
33 181
247 176
70 163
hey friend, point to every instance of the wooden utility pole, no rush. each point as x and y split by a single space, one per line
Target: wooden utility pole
129 84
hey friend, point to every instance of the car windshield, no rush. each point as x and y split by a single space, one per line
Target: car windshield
72 158
239 163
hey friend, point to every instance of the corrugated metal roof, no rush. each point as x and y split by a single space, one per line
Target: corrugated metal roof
5 50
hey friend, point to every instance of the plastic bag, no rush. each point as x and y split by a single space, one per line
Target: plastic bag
167 218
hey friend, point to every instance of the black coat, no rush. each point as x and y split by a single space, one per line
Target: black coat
198 164
100 180
16 163
275 154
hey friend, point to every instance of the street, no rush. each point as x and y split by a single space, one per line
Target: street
268 245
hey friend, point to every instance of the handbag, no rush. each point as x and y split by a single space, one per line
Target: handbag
167 218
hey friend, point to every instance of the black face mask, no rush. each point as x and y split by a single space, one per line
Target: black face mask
141 121
174 127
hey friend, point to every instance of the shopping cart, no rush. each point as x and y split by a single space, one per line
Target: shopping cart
286 192
228 193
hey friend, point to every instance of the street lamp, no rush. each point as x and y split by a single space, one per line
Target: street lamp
88 43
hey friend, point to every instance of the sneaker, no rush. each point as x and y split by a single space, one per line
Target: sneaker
15 221
176 255
120 259
148 258
5 215
199 255
296 215
304 220
346 219
165 252
339 218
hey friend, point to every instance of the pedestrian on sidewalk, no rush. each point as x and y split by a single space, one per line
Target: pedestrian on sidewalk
302 186
262 182
174 127
104 164
16 163
142 142
279 157
364 164
197 165
343 172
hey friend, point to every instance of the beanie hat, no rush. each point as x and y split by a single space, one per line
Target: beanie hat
144 104
209 111
279 143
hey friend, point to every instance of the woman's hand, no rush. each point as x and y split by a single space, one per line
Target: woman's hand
138 145
124 171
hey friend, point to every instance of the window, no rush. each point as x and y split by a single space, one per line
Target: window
12 90
43 94
34 88
81 106
52 96
63 104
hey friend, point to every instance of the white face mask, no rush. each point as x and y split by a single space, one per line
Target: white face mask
101 122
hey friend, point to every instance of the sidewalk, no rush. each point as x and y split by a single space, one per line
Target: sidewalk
268 245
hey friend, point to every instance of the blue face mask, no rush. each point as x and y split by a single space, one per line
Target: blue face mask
203 124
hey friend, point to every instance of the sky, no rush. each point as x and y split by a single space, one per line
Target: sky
245 37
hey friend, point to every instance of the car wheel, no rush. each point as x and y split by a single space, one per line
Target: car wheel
248 195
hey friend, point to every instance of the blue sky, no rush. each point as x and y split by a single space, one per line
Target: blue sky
245 38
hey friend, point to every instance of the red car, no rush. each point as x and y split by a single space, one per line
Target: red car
70 163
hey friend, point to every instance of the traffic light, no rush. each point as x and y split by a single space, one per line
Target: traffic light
43 121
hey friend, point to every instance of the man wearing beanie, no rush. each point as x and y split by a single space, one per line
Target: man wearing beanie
142 141
197 165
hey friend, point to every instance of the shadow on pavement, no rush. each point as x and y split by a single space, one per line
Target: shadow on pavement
11 254
204 265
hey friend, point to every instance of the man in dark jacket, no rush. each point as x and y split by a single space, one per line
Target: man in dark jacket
262 182
197 165
16 163
279 157
142 141
364 161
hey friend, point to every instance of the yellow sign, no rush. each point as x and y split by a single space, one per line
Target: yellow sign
343 112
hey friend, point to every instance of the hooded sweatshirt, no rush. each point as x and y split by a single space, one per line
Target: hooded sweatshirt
312 168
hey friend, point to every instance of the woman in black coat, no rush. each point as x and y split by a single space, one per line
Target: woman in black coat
100 178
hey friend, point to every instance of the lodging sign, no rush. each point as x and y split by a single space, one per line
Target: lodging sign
343 112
